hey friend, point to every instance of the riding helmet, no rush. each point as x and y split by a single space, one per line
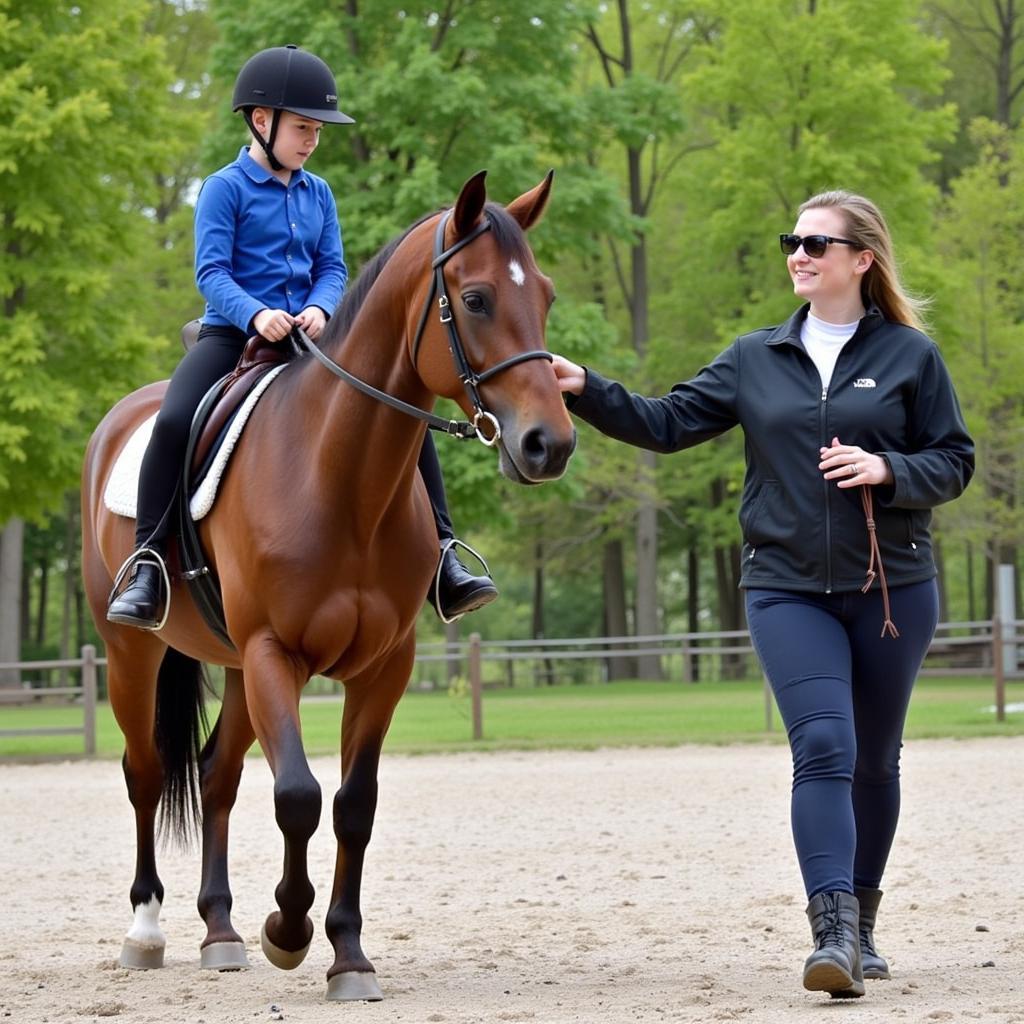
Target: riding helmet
287 78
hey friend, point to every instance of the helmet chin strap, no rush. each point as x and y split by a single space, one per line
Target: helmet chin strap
266 144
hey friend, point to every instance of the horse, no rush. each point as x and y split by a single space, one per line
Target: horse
324 545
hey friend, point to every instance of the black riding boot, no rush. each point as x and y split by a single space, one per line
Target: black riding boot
454 590
141 603
875 966
834 966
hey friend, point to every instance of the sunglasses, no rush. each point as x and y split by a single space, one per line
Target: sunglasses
814 245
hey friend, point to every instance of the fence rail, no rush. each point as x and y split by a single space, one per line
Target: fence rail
958 648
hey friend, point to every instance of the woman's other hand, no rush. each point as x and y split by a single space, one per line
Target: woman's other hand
850 466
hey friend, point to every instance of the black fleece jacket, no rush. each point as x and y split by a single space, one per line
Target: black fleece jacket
890 393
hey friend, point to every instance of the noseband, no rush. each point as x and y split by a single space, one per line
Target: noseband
471 380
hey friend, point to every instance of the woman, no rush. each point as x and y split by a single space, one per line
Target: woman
853 434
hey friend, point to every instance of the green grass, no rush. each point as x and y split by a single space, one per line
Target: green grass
566 717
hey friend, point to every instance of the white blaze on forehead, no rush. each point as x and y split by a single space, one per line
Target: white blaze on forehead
516 271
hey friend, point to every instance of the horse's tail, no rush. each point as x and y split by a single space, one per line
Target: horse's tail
180 727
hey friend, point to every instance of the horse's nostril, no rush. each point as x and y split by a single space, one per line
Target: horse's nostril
535 446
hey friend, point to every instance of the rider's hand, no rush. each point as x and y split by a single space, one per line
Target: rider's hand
273 324
571 377
312 320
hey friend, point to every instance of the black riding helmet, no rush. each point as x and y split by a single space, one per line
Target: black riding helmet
286 78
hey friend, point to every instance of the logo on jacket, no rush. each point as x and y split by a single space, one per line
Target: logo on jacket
864 382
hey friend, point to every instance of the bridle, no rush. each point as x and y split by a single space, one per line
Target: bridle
471 380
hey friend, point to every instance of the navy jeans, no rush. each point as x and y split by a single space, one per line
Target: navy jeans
842 692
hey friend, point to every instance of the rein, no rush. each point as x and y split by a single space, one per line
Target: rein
470 379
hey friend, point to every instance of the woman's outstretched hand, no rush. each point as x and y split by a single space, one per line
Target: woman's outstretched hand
571 377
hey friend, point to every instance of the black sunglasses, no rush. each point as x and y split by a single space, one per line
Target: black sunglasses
814 245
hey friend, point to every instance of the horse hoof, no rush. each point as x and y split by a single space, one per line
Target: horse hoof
351 986
282 958
224 956
137 957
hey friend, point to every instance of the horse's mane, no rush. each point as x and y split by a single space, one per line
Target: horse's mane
508 236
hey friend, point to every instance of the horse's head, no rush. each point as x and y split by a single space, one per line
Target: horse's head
480 337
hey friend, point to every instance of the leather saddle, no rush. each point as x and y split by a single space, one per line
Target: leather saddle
258 357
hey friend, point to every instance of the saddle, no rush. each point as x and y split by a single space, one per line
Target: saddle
258 358
212 422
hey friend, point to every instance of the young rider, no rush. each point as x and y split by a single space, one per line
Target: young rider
268 258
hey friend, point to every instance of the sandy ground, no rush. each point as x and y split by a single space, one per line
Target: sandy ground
616 885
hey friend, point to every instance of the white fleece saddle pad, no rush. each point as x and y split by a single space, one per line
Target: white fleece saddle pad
122 490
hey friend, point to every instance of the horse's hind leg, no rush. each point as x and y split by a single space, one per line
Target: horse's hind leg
132 673
220 770
273 682
370 701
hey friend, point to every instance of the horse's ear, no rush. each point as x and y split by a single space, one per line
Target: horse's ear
470 204
529 207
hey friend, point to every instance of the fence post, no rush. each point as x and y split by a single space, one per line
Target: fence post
476 686
997 668
768 727
1007 613
89 698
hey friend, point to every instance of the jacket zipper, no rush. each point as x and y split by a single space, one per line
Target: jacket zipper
825 483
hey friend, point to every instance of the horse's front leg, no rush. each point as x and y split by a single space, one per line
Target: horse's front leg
273 683
220 771
370 701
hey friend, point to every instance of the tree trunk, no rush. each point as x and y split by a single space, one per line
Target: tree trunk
12 542
971 611
647 623
547 672
39 634
453 666
693 606
940 566
614 585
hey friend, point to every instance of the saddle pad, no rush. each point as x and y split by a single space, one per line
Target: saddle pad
121 492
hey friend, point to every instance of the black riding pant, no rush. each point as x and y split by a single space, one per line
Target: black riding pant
215 354
842 691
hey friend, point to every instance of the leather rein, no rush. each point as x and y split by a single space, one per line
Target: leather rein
471 380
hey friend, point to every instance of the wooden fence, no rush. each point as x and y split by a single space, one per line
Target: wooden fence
959 648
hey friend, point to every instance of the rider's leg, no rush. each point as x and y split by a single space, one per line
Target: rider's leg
454 590
215 354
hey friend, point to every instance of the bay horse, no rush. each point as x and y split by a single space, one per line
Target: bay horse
324 544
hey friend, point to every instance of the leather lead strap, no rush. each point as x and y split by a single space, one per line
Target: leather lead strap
888 626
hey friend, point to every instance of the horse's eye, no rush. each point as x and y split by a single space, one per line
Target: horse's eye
474 302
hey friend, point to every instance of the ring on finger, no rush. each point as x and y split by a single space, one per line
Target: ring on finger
854 470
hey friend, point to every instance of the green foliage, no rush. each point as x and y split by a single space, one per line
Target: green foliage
84 127
980 315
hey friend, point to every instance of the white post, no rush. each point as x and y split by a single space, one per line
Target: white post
1006 610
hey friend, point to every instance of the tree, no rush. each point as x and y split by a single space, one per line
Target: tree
640 103
981 313
84 127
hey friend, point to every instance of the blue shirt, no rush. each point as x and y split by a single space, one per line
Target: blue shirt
261 244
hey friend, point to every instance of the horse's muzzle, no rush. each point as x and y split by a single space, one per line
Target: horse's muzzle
537 454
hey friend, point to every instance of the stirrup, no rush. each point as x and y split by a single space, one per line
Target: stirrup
448 545
136 558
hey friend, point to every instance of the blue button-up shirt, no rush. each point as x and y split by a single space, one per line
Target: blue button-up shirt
261 244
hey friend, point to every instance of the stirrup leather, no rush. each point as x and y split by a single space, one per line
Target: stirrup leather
144 556
448 545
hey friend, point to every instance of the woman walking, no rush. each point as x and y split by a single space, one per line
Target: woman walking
853 434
